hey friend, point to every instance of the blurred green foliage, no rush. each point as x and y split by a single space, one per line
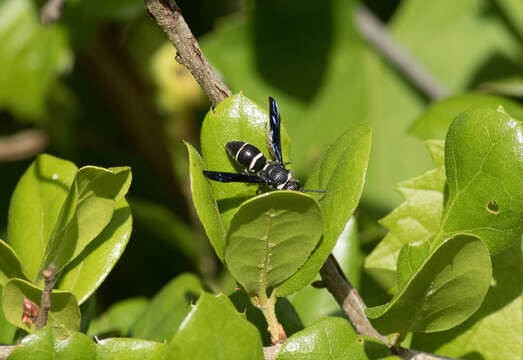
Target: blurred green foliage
103 85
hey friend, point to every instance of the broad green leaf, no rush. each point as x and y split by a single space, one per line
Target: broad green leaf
83 275
469 40
9 264
312 303
119 318
494 331
164 224
434 122
205 202
7 330
40 344
414 220
236 118
508 86
484 162
78 347
341 172
332 339
35 55
35 208
87 210
168 308
270 237
350 86
63 318
129 349
446 289
215 330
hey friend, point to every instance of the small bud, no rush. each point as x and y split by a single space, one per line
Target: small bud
30 312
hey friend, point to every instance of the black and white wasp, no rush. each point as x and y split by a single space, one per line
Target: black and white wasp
261 171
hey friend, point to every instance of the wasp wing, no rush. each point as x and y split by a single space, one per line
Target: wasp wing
233 177
275 138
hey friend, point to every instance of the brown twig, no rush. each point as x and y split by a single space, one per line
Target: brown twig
22 145
45 302
168 16
51 11
348 298
271 352
376 34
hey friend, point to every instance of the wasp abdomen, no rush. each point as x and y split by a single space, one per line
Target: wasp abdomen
247 155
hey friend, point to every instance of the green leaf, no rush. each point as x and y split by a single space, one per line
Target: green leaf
9 264
270 237
35 55
165 313
236 118
7 331
215 330
83 275
63 318
78 347
87 210
205 202
40 344
35 208
129 349
331 338
434 122
484 162
473 42
494 331
413 221
446 289
341 172
119 318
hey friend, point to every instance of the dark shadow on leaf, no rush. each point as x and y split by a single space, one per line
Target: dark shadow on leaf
375 349
191 296
296 67
473 356
495 67
231 203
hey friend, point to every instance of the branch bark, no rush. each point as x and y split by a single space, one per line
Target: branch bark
168 16
22 145
376 34
45 302
51 11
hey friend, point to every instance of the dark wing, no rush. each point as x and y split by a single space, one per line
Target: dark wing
275 139
232 177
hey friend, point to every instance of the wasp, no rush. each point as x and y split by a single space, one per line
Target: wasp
259 170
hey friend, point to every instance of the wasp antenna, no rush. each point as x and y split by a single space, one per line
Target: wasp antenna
315 191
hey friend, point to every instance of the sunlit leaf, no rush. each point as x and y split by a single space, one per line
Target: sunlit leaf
331 338
129 349
35 208
63 318
215 330
270 237
87 271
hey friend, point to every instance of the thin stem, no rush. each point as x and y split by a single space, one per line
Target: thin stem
168 16
22 145
45 302
348 298
375 33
